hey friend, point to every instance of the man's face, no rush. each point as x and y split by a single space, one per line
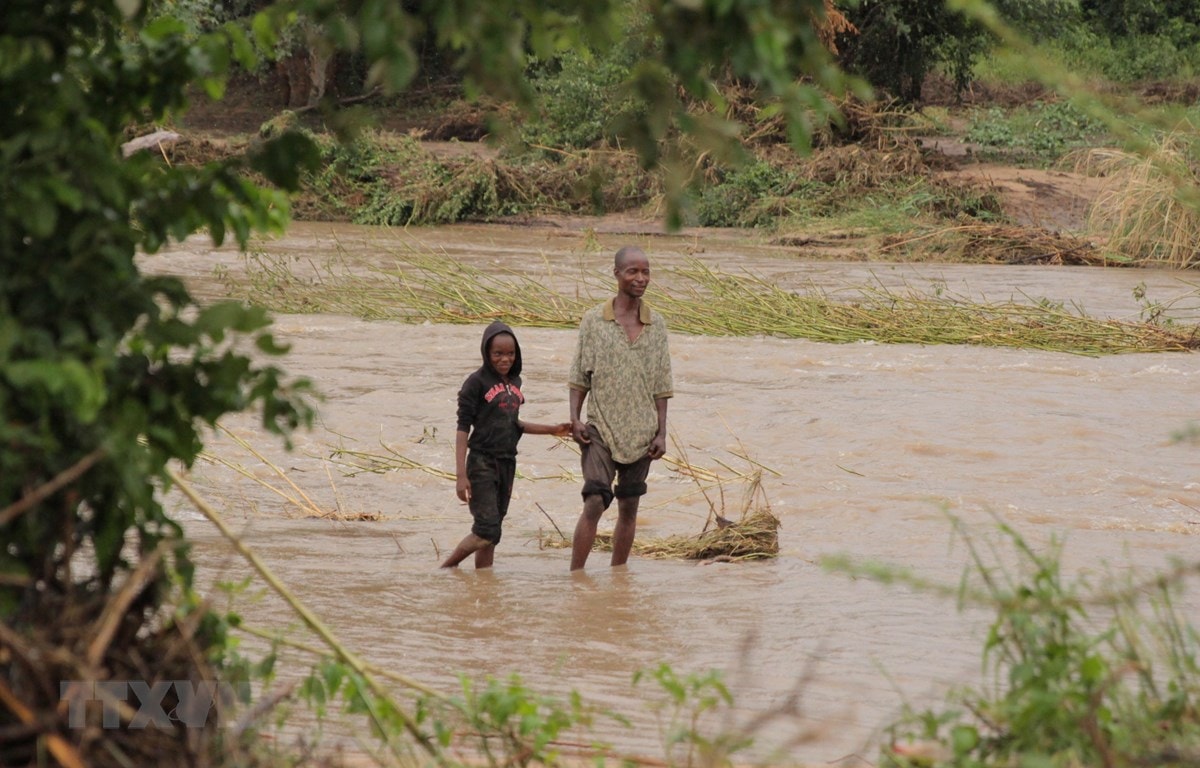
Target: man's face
633 275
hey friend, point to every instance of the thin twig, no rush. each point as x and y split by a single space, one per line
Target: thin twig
110 619
44 491
551 519
62 751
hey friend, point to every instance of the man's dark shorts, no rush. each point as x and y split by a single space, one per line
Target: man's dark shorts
599 469
491 488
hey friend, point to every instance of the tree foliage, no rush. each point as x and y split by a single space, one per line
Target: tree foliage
1178 20
900 41
98 364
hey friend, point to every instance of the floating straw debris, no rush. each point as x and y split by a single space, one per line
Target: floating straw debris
755 536
359 462
295 497
702 301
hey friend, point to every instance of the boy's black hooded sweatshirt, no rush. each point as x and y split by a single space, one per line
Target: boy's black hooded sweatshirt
488 406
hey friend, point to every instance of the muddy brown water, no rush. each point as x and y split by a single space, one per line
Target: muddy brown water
871 448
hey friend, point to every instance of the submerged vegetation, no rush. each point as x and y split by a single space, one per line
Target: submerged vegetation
699 300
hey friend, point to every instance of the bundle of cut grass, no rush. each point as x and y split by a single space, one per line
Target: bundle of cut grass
755 536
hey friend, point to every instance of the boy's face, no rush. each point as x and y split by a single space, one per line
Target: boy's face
502 353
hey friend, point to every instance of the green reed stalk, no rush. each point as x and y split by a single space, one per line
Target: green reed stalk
698 300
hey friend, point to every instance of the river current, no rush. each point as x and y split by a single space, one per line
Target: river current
866 450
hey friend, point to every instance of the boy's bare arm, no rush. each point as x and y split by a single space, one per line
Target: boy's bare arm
558 430
462 485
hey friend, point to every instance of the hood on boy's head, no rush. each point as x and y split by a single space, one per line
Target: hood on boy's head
491 332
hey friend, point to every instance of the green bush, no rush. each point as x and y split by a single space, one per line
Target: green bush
1176 20
1145 57
580 98
750 196
583 95
1040 133
1081 675
900 41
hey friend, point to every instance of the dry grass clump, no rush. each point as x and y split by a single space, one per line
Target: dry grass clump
878 125
590 181
754 536
998 244
1149 206
383 179
193 151
855 167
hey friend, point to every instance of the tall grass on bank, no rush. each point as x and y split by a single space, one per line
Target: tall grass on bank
1078 675
1148 206
699 300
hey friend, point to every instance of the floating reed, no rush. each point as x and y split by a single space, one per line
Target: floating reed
295 497
359 462
702 301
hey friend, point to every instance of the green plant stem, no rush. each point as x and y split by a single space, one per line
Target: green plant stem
404 680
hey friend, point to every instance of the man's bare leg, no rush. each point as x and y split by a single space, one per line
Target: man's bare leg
625 529
585 530
470 543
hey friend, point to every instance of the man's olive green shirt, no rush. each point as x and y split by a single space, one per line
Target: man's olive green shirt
623 378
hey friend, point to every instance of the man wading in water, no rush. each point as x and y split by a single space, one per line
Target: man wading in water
622 367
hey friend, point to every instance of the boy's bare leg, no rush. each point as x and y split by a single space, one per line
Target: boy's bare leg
484 557
585 530
470 543
625 528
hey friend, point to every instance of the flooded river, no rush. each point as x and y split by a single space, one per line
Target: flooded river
868 449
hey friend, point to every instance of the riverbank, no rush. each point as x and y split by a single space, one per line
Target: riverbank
949 182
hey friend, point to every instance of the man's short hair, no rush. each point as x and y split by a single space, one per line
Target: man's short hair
625 251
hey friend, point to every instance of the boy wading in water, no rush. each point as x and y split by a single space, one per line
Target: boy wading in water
622 367
485 445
